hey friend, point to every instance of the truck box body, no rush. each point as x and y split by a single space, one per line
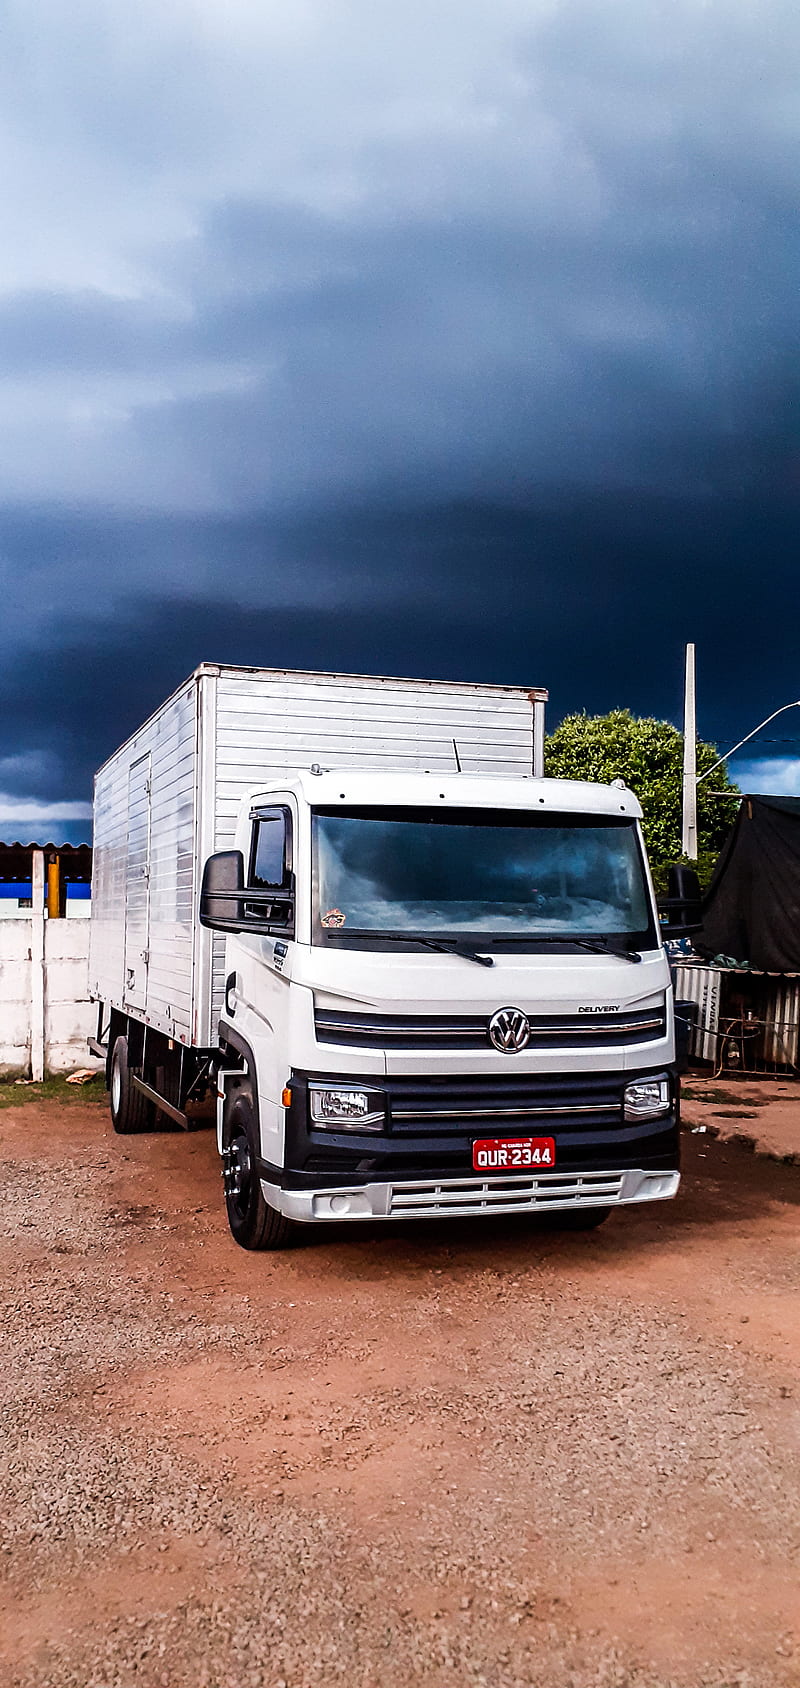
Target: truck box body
171 795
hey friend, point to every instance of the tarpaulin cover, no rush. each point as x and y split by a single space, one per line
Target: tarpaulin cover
752 909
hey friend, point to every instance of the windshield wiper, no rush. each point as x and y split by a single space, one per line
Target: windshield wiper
447 946
597 946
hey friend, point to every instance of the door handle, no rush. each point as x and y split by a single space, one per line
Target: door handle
230 994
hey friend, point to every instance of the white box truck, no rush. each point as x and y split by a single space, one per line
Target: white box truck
417 977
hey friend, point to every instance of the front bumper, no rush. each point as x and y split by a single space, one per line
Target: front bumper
432 1123
433 1199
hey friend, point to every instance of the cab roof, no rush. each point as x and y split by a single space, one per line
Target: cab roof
329 787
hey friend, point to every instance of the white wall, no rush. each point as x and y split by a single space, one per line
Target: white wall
15 995
45 1012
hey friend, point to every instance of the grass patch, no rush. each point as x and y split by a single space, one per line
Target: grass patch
56 1089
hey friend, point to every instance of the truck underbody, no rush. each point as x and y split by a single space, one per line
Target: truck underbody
421 1166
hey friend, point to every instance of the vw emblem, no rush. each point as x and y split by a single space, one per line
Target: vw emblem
509 1030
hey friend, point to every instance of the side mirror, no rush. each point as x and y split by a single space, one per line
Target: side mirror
681 910
222 891
228 905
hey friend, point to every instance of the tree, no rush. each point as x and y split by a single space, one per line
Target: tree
648 755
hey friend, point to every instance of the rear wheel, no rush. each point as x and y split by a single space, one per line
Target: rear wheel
130 1110
254 1224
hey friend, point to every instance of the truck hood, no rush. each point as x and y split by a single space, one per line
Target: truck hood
409 983
423 981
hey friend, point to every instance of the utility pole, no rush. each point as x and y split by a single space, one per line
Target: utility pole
689 832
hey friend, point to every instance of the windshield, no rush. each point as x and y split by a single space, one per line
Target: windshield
505 874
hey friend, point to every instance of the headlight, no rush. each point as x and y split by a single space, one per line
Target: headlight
646 1098
346 1110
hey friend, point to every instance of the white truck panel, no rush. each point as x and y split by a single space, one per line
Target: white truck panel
225 732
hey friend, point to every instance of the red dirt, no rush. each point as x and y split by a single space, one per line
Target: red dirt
761 1113
474 1453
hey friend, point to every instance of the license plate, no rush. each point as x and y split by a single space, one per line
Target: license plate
513 1154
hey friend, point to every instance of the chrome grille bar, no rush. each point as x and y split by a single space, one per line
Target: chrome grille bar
426 1030
467 1113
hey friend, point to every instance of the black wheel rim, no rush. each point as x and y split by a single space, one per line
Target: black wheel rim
237 1171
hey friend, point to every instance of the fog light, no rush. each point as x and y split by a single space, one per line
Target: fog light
346 1205
647 1098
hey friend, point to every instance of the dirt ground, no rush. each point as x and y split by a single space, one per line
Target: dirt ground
761 1113
475 1454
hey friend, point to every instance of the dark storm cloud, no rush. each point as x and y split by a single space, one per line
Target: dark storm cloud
592 596
479 356
466 347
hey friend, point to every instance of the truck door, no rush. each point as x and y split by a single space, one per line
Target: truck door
260 966
137 885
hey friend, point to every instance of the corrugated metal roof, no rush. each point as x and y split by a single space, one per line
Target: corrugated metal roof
15 861
33 844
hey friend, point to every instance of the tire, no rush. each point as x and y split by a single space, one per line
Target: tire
130 1110
253 1223
577 1219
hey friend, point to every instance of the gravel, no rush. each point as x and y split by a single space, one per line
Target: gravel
472 1455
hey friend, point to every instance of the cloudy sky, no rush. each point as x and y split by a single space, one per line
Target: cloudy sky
456 338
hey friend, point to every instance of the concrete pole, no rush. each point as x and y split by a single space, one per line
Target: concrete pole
689 830
37 966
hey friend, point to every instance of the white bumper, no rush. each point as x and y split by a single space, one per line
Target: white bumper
429 1199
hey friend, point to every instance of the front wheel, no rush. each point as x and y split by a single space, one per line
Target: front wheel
254 1224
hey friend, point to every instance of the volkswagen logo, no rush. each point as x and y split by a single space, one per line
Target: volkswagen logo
509 1030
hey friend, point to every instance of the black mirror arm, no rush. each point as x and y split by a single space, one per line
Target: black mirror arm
247 910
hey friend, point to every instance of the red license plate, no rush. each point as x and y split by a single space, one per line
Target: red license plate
514 1154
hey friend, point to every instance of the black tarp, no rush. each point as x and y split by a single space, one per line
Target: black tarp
752 909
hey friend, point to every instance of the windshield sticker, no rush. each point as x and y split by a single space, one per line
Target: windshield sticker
334 917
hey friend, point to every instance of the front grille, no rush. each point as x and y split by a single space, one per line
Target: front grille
471 1031
525 1102
506 1195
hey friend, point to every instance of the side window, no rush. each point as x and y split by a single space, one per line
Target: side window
270 869
268 854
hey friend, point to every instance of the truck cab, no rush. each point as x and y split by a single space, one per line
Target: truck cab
442 996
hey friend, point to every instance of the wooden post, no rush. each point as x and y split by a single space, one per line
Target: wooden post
37 966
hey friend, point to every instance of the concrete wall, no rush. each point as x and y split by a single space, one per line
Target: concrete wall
45 1012
69 1016
15 996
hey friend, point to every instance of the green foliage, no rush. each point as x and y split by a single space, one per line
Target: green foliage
648 755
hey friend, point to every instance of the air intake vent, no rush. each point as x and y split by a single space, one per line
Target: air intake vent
508 1195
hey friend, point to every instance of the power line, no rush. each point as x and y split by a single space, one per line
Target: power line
795 704
795 740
